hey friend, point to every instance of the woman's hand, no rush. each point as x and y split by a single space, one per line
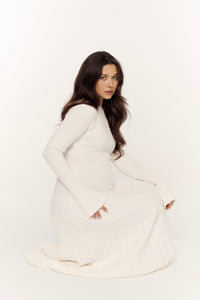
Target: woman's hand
97 213
169 204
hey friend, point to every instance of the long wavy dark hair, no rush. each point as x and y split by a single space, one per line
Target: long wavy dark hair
84 92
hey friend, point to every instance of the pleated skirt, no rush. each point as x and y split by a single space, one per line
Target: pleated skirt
132 238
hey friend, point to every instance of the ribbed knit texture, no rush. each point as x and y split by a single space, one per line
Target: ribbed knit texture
133 237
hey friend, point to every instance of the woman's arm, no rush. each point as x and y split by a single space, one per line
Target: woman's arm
76 122
127 165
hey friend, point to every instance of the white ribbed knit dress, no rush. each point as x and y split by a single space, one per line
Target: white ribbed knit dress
133 237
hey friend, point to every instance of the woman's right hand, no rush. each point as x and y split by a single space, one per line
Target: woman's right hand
97 213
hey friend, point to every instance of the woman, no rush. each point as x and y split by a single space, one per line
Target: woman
106 228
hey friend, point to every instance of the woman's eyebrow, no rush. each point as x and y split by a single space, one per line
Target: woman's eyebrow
107 74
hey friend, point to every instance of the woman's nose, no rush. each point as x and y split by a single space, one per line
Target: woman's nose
109 82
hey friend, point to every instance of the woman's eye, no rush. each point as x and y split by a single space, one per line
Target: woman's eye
105 77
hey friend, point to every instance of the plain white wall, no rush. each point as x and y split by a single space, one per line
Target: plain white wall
43 44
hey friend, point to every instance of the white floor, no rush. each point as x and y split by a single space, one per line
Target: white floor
20 281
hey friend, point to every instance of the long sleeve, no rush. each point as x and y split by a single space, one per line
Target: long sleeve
77 120
127 165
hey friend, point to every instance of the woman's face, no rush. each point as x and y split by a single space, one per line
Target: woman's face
108 81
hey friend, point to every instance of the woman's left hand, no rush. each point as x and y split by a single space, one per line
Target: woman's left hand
169 204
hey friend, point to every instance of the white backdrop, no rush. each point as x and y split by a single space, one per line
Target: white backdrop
43 44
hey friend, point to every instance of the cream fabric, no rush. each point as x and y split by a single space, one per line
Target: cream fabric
133 237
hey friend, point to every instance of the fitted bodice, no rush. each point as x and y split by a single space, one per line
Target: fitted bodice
89 156
95 143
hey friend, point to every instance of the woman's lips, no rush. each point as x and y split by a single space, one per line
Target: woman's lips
108 92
